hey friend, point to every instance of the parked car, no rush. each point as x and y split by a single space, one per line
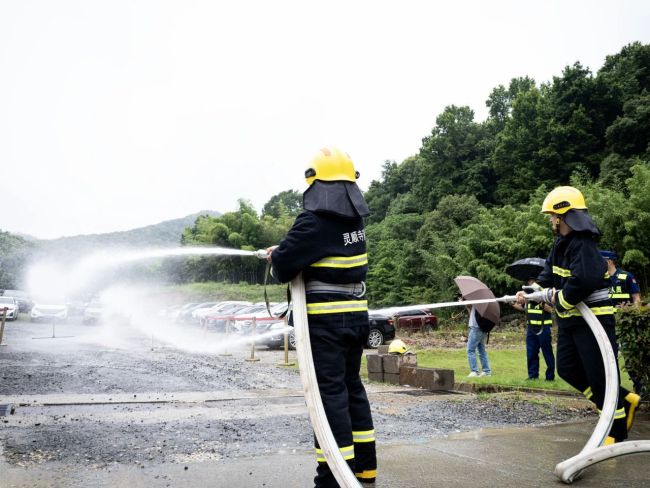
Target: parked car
217 320
417 320
243 318
12 307
277 341
22 299
218 309
47 311
245 326
412 320
381 329
185 314
174 314
93 313
198 312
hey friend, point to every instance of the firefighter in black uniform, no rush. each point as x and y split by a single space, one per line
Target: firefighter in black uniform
623 291
327 243
575 272
623 288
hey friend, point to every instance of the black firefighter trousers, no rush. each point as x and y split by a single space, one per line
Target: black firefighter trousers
337 355
580 363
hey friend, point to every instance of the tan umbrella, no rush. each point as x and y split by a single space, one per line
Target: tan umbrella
474 289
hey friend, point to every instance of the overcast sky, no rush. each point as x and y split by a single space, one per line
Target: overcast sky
119 114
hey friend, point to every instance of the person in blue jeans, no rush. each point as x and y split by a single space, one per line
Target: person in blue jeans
476 341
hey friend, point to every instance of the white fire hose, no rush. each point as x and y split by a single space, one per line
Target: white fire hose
321 426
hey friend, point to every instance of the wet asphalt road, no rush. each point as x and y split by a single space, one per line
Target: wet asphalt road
101 402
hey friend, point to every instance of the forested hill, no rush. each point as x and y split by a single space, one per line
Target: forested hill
163 234
468 202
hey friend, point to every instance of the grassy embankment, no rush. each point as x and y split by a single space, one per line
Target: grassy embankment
217 291
445 349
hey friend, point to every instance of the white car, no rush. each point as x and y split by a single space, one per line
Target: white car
93 313
246 326
45 311
221 308
12 307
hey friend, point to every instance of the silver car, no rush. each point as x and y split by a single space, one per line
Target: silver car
45 312
10 304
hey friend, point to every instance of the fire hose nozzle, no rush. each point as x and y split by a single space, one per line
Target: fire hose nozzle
261 254
544 295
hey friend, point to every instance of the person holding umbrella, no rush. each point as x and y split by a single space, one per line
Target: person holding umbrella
538 318
482 319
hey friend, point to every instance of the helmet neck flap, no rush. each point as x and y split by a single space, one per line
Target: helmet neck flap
342 198
581 221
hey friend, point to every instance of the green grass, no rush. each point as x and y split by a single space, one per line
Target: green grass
218 291
508 368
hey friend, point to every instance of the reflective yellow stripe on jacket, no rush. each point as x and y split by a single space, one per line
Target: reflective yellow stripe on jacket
564 273
341 261
337 307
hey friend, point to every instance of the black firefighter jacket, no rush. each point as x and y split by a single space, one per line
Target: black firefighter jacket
330 249
578 272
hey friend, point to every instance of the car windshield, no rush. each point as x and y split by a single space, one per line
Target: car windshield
6 300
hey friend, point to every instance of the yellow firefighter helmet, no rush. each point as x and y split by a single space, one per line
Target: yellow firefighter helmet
397 347
562 199
331 164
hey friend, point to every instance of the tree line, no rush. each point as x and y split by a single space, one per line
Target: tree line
468 202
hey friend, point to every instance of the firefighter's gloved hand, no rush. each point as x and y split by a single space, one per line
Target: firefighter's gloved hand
520 298
532 288
548 295
269 251
545 295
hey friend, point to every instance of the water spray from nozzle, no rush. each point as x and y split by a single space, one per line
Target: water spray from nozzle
261 253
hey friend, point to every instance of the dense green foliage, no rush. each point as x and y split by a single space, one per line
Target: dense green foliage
633 330
241 229
218 291
14 252
468 202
